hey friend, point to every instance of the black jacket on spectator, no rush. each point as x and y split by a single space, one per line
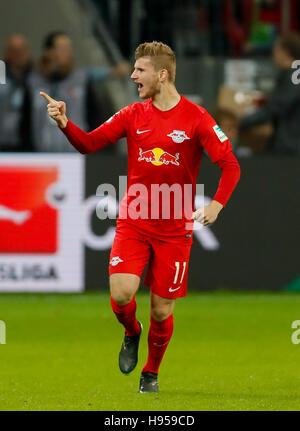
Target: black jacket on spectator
283 109
15 115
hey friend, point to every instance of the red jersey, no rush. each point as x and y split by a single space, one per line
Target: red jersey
164 147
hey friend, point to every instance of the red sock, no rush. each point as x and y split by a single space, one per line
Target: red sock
126 315
159 335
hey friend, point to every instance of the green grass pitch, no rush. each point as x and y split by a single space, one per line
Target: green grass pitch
229 351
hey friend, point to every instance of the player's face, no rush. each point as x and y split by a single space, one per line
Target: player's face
146 77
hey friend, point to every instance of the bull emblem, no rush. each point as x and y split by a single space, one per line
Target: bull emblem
178 136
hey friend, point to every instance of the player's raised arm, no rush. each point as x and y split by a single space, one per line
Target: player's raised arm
86 143
218 147
56 110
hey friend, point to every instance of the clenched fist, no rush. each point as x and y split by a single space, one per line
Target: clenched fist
56 110
207 215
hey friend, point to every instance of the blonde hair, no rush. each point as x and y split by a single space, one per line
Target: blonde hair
162 57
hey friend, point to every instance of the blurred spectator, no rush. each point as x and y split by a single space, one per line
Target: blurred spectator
264 26
283 107
157 21
82 89
14 119
219 45
237 20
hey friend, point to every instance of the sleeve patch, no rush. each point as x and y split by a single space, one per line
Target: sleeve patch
220 134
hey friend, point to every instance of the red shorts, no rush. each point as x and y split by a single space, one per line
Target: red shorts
167 272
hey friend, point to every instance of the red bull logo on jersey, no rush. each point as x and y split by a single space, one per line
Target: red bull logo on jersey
178 136
158 157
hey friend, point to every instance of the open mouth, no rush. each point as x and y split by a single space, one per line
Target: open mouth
140 86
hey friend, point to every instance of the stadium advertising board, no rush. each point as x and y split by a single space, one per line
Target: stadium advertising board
40 222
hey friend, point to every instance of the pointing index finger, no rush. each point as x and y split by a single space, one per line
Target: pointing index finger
47 97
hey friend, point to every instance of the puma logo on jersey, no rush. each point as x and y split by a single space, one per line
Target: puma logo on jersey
178 136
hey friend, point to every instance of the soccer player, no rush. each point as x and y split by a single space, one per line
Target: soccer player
166 137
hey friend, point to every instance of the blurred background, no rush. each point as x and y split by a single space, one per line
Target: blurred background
234 57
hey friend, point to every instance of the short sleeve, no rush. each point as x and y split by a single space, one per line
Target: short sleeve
211 137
